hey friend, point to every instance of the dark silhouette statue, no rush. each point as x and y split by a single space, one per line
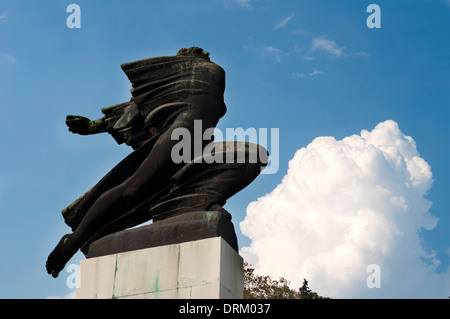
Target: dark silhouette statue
183 199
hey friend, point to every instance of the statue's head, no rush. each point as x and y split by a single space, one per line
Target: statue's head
194 51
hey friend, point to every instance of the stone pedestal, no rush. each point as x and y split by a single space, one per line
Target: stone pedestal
202 269
168 229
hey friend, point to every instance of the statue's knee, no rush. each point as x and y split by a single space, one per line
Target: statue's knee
129 190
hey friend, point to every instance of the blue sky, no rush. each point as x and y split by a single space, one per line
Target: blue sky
309 68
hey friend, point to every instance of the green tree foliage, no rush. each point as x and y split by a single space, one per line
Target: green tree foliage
264 287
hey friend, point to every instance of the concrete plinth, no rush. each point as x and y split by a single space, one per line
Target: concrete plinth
202 269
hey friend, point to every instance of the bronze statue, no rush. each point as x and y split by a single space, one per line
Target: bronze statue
167 93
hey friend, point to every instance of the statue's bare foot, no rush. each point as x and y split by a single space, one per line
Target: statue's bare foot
62 253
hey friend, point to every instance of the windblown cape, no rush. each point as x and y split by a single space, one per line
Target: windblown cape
162 88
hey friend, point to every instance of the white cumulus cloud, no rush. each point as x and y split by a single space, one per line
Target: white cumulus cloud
344 205
332 49
4 16
7 59
283 22
316 72
329 46
244 3
274 51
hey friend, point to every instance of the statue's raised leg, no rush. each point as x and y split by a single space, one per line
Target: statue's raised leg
191 208
76 211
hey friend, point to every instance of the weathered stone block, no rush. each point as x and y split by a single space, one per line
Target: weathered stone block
202 269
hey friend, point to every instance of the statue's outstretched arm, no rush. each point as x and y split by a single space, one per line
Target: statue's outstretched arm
84 126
